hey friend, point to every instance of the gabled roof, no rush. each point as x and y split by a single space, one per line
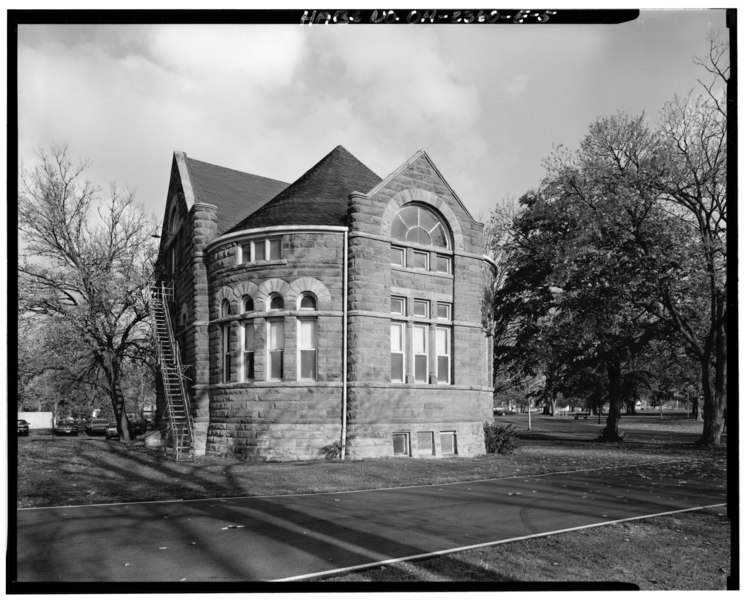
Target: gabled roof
318 197
236 194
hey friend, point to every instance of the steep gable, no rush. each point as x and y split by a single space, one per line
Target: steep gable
318 197
420 170
234 193
419 180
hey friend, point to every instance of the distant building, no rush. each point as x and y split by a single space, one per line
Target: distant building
38 420
340 307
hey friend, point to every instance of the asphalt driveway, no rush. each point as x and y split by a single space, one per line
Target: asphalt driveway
294 537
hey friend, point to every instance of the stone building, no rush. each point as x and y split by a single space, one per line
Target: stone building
339 310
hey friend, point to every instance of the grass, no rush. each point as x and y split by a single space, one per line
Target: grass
687 551
691 550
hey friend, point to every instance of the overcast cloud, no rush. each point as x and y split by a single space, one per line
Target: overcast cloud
486 102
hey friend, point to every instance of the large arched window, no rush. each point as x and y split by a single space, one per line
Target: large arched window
420 224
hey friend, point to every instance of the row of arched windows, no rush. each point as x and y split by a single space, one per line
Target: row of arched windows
274 346
274 302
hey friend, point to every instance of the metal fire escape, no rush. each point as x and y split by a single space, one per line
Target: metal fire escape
180 427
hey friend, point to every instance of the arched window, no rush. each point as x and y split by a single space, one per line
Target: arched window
276 302
225 309
308 302
249 304
420 224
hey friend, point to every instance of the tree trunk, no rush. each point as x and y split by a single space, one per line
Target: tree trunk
118 398
120 414
714 388
610 433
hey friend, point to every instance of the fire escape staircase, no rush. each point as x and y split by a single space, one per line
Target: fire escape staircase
180 426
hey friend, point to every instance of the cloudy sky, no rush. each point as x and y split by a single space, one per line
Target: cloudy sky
486 102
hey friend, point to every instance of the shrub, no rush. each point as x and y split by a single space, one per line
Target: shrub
332 451
500 439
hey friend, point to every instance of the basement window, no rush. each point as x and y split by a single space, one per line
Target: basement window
448 441
426 443
401 444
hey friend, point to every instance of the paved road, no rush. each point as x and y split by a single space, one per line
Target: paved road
271 538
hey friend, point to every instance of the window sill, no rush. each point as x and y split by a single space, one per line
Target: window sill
421 271
264 263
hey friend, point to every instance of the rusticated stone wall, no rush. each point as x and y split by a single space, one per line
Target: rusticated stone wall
377 407
264 421
288 419
251 416
182 267
378 412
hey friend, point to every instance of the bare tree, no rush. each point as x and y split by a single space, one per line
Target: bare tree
695 132
87 262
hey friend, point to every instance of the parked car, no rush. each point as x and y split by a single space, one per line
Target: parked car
138 426
111 432
66 427
23 427
97 427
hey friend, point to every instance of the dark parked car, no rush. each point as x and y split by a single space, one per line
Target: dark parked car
66 427
23 427
138 426
111 432
97 427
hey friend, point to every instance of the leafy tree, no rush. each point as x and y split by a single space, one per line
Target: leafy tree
574 300
621 252
86 265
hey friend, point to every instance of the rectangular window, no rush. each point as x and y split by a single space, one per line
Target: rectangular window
420 260
259 250
226 352
421 353
443 264
397 256
443 311
308 349
397 305
248 351
443 345
397 355
425 442
448 442
246 253
275 349
274 249
401 444
421 308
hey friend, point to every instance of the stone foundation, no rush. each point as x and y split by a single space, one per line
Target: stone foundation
275 422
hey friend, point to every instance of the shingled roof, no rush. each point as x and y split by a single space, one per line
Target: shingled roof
319 196
236 194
